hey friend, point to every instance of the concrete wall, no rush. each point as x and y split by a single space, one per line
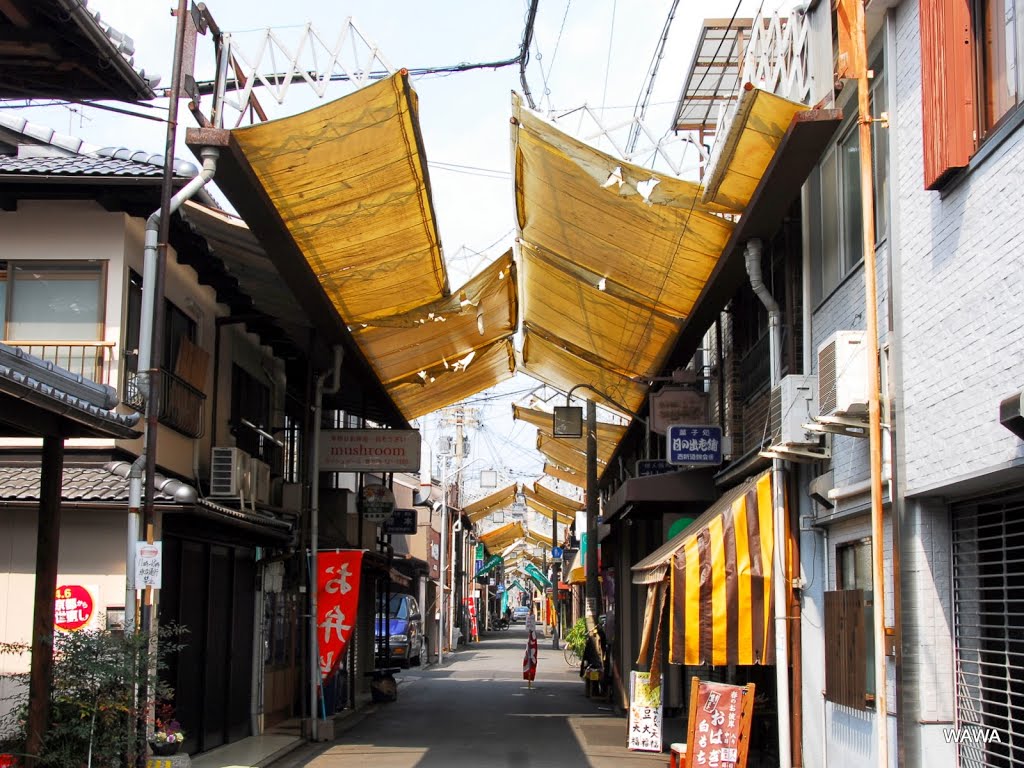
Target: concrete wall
92 554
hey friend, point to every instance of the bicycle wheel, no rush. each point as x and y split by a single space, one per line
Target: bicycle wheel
570 656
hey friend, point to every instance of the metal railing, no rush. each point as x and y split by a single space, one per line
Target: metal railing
181 406
89 359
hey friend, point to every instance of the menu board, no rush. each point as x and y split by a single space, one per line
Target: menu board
718 732
644 713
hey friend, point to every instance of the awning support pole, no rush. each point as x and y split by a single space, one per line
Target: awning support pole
780 576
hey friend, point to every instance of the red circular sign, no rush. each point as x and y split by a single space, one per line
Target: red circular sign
73 607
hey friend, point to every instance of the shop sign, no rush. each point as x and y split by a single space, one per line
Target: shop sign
644 713
378 503
370 450
691 444
148 564
403 521
73 607
719 726
651 467
673 405
337 604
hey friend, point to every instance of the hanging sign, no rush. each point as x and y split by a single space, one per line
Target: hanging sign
378 503
403 521
644 713
370 450
673 405
73 607
148 564
694 444
337 604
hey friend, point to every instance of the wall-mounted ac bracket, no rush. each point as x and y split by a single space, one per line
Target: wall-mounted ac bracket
798 452
838 425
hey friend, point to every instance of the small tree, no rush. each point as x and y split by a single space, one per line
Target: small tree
93 704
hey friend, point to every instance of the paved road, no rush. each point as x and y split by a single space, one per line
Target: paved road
476 710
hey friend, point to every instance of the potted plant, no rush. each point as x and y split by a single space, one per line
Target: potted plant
167 733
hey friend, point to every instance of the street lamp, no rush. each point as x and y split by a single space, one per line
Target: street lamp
567 422
445 479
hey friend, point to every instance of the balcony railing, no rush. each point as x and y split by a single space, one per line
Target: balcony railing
90 359
181 406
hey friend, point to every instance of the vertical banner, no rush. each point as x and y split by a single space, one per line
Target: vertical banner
644 713
718 731
337 604
474 631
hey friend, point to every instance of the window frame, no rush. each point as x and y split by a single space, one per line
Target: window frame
7 268
862 581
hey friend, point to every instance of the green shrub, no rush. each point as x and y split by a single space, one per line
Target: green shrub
93 707
576 637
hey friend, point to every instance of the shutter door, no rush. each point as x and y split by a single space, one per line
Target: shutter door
947 88
988 595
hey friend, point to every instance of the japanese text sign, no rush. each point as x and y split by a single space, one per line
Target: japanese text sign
644 713
689 444
718 731
73 607
337 604
148 561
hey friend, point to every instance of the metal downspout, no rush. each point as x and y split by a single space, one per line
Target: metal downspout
780 577
314 533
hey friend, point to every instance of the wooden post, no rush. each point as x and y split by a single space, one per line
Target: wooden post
47 553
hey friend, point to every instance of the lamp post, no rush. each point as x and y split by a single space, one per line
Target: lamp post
568 422
447 478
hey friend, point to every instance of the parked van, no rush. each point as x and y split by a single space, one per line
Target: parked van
404 632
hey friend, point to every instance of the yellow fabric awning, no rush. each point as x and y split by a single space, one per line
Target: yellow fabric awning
556 500
720 571
566 476
349 182
577 571
543 420
482 312
544 510
447 383
550 361
500 499
755 132
501 537
563 455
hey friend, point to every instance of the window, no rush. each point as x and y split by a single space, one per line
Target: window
250 416
972 78
836 226
49 308
850 657
177 326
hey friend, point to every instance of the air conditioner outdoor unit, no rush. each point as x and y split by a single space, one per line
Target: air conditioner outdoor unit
794 403
843 376
260 474
230 473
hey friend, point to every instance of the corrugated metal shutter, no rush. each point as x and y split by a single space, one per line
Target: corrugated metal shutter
988 593
947 88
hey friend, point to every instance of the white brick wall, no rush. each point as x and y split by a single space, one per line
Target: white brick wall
962 300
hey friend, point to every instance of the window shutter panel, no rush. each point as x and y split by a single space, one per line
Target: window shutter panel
947 88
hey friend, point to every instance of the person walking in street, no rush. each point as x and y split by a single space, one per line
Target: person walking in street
530 659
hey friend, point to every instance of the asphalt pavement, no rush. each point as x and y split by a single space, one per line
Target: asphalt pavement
476 710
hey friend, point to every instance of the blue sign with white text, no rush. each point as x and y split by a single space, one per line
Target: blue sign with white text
689 444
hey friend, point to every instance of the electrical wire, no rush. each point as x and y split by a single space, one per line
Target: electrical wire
652 74
608 58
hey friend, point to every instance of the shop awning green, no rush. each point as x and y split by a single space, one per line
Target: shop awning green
536 576
490 565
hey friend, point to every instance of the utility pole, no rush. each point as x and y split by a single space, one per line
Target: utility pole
592 588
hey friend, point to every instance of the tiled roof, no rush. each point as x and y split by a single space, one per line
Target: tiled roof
79 484
78 165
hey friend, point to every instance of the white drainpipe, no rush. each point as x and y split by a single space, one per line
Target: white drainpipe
314 536
753 258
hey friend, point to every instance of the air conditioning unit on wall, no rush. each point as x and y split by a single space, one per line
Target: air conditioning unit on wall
843 376
260 473
793 406
230 473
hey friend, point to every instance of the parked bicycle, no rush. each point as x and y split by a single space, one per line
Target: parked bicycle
571 657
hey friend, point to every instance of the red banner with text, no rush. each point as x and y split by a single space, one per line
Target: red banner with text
337 604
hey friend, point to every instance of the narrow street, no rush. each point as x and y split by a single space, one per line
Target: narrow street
476 710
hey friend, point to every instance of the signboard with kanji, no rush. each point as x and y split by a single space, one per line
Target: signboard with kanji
651 467
370 450
694 444
73 608
403 521
378 503
718 731
644 713
337 604
148 564
675 405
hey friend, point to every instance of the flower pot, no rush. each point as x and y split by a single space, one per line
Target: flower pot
166 749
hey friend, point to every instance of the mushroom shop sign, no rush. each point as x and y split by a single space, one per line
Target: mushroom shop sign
370 450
